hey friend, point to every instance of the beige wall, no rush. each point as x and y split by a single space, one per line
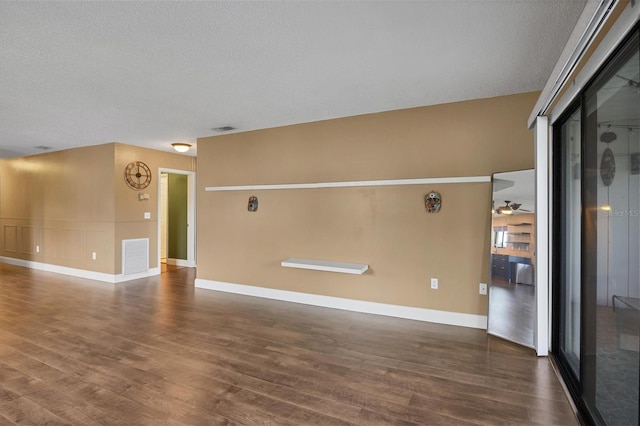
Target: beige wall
75 202
62 202
385 227
129 216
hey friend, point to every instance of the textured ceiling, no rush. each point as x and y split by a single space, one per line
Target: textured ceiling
153 73
516 187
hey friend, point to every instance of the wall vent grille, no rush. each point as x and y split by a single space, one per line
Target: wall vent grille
135 256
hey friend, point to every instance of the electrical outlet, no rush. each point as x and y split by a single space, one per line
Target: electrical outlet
434 283
37 249
483 288
93 255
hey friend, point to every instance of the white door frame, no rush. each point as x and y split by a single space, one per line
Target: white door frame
541 332
163 213
191 214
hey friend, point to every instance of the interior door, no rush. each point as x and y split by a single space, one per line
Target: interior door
512 265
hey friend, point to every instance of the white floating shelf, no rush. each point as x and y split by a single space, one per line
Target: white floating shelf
359 183
324 265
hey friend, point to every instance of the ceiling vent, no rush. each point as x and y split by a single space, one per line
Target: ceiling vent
223 129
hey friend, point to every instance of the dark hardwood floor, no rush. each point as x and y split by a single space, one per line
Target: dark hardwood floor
160 352
512 311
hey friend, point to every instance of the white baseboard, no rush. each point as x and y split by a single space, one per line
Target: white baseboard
80 273
407 312
152 272
181 262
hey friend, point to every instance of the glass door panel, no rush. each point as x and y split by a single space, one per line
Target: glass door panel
612 239
571 247
596 316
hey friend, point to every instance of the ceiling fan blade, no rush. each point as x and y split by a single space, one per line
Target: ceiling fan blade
629 81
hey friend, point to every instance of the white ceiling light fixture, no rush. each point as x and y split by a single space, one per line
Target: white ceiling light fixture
181 146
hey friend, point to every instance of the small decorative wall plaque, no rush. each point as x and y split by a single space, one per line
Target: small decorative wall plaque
432 202
607 167
253 204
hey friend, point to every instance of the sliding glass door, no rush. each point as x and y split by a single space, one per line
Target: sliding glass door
571 245
597 238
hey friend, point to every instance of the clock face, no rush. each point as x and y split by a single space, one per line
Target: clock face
137 175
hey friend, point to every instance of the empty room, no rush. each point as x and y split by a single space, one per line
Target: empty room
318 213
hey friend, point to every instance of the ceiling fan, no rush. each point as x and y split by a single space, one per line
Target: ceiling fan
630 82
510 208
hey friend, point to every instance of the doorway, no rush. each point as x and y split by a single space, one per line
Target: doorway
176 224
512 292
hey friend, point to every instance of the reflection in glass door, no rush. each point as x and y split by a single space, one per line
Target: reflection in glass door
570 271
612 197
597 236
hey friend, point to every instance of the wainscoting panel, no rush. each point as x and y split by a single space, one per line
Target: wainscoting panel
71 244
96 242
11 238
49 242
27 240
77 245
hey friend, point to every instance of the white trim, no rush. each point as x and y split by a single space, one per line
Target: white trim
191 212
191 218
543 191
358 183
325 265
609 43
180 262
550 228
120 278
406 312
593 17
175 171
80 273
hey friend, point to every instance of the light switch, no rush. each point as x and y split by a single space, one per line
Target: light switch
147 215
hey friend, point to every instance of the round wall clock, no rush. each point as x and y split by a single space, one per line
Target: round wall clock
137 175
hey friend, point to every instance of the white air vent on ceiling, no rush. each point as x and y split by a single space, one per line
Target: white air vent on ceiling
135 256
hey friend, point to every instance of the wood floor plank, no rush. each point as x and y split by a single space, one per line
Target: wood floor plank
24 411
346 413
5 421
67 409
157 351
